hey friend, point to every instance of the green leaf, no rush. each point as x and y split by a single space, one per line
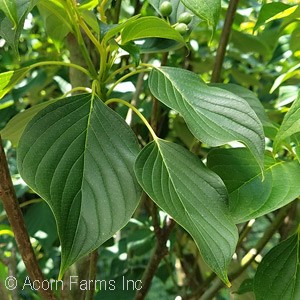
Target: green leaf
213 115
245 287
178 182
248 43
109 31
157 45
78 155
39 218
278 275
150 27
249 197
250 97
10 9
88 5
272 11
293 71
9 79
134 52
8 30
15 127
289 125
56 20
209 10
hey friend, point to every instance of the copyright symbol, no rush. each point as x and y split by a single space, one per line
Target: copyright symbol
11 283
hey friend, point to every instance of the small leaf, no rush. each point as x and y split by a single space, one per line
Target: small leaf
209 10
9 79
213 115
289 125
78 155
15 127
278 275
150 27
195 197
249 197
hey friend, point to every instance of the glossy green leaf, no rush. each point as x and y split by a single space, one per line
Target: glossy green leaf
249 196
289 125
178 182
15 127
78 155
150 27
250 97
10 9
213 115
278 275
208 10
9 79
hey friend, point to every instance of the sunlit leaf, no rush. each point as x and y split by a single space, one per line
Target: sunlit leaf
150 27
269 11
293 71
9 79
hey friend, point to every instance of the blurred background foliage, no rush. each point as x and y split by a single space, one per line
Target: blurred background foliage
263 55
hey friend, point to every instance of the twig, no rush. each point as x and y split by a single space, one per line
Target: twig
92 275
224 40
159 252
15 218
